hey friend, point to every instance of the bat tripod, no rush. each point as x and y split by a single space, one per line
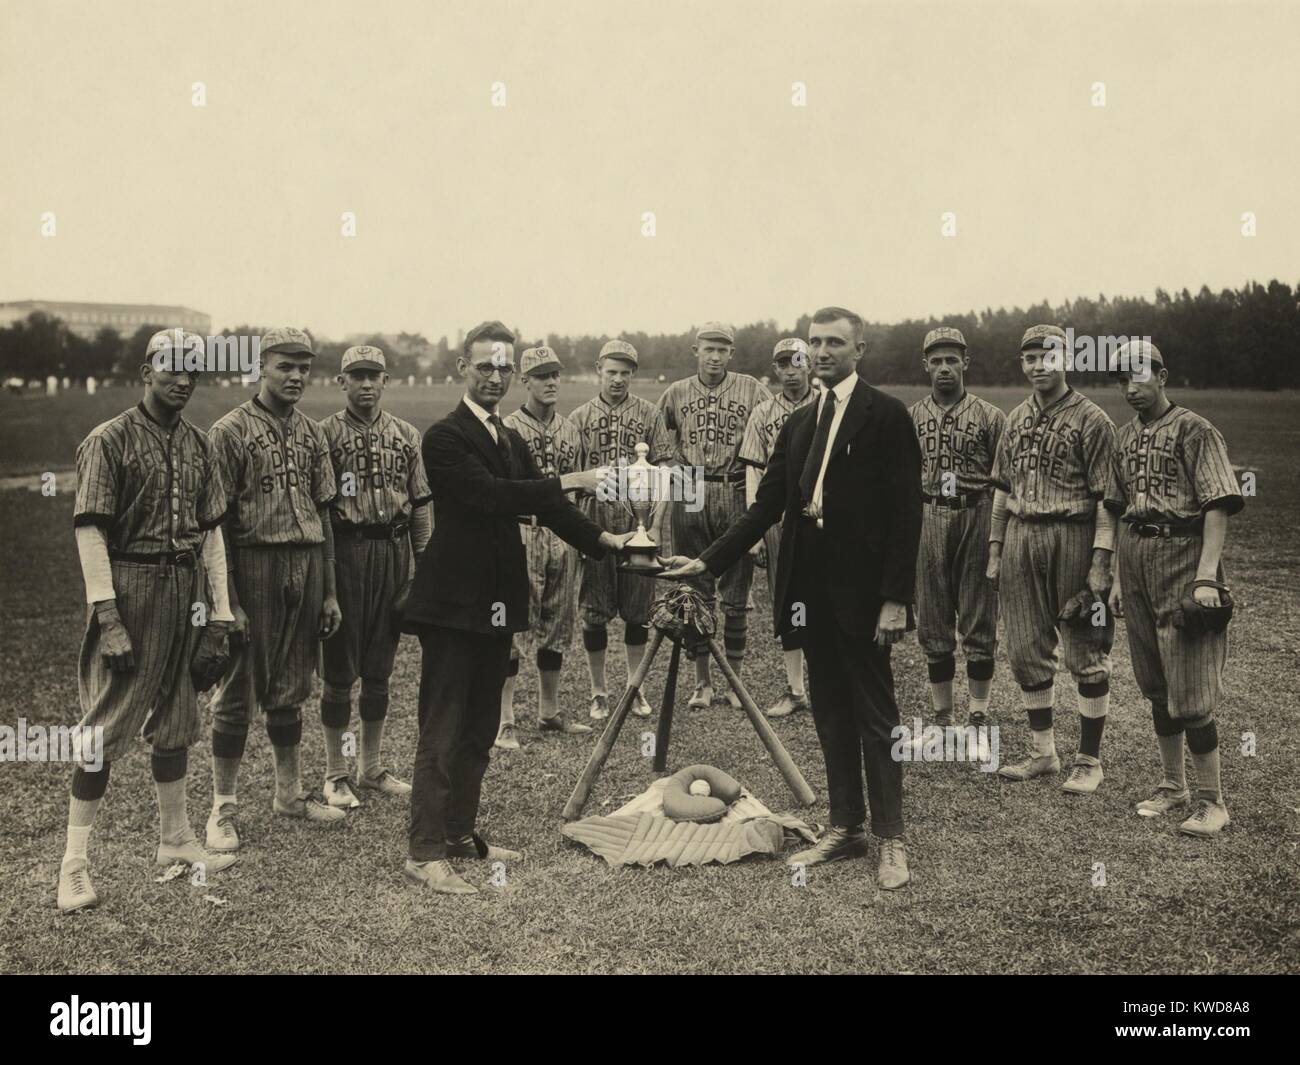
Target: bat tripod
680 612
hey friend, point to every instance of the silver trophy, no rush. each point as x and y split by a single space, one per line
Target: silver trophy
642 494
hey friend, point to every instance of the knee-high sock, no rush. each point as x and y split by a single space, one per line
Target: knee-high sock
1169 737
794 670
169 769
227 753
941 672
635 652
735 636
1038 702
595 639
335 714
87 791
373 708
549 664
1203 742
1094 701
284 728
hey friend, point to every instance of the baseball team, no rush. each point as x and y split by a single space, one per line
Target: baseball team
279 548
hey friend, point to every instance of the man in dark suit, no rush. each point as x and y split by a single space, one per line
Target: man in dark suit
469 594
844 479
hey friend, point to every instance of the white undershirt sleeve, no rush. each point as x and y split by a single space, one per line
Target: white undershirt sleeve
92 549
214 565
998 520
1104 537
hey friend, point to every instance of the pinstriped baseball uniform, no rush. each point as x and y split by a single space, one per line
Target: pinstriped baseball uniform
756 448
1169 471
276 474
152 491
1054 464
608 437
958 450
380 475
708 426
552 564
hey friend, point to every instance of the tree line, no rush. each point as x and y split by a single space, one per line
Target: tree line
1241 338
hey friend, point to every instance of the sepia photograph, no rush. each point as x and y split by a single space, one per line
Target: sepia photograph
650 488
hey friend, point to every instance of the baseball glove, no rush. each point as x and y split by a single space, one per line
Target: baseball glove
211 657
1196 619
1089 615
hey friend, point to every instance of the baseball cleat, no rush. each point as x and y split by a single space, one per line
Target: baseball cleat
339 794
1165 798
1209 818
835 845
892 873
561 724
1033 766
506 739
439 876
640 707
189 852
599 707
788 704
222 835
309 808
702 698
385 783
1085 775
978 718
76 892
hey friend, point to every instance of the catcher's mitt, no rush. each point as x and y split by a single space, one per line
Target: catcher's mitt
1089 615
211 657
1196 619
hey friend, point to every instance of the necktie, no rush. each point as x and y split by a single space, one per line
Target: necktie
503 445
813 464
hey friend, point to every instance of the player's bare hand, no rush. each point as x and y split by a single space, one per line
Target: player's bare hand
1207 596
994 569
1099 578
331 617
238 628
892 625
114 642
680 566
759 551
1116 601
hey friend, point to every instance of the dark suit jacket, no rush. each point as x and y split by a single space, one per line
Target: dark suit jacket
475 558
871 510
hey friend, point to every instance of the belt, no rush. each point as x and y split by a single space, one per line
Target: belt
960 501
1156 531
730 478
165 558
395 531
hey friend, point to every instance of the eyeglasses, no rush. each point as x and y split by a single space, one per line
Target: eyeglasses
486 369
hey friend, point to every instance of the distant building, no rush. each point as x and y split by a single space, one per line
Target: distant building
87 319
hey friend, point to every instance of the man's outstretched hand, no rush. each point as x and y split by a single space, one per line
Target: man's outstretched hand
615 541
679 566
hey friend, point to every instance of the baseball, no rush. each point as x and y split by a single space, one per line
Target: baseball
701 787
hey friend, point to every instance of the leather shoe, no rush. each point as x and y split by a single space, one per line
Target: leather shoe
475 846
836 844
892 873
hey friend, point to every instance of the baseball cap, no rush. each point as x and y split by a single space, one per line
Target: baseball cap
716 331
539 360
618 349
173 343
1036 337
943 336
287 339
363 357
790 344
1135 355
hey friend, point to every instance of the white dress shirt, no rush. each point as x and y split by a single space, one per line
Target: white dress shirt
482 415
842 393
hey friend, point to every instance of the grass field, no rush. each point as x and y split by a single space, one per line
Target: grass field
1003 874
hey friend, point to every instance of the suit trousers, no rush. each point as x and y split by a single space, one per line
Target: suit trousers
461 675
851 690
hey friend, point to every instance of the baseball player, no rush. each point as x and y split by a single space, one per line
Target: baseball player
381 523
1174 489
552 564
149 502
791 369
275 464
707 414
1051 538
959 434
609 427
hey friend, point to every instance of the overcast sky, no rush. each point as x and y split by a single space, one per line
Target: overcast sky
532 212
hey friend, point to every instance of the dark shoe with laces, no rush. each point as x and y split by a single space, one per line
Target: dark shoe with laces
835 845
